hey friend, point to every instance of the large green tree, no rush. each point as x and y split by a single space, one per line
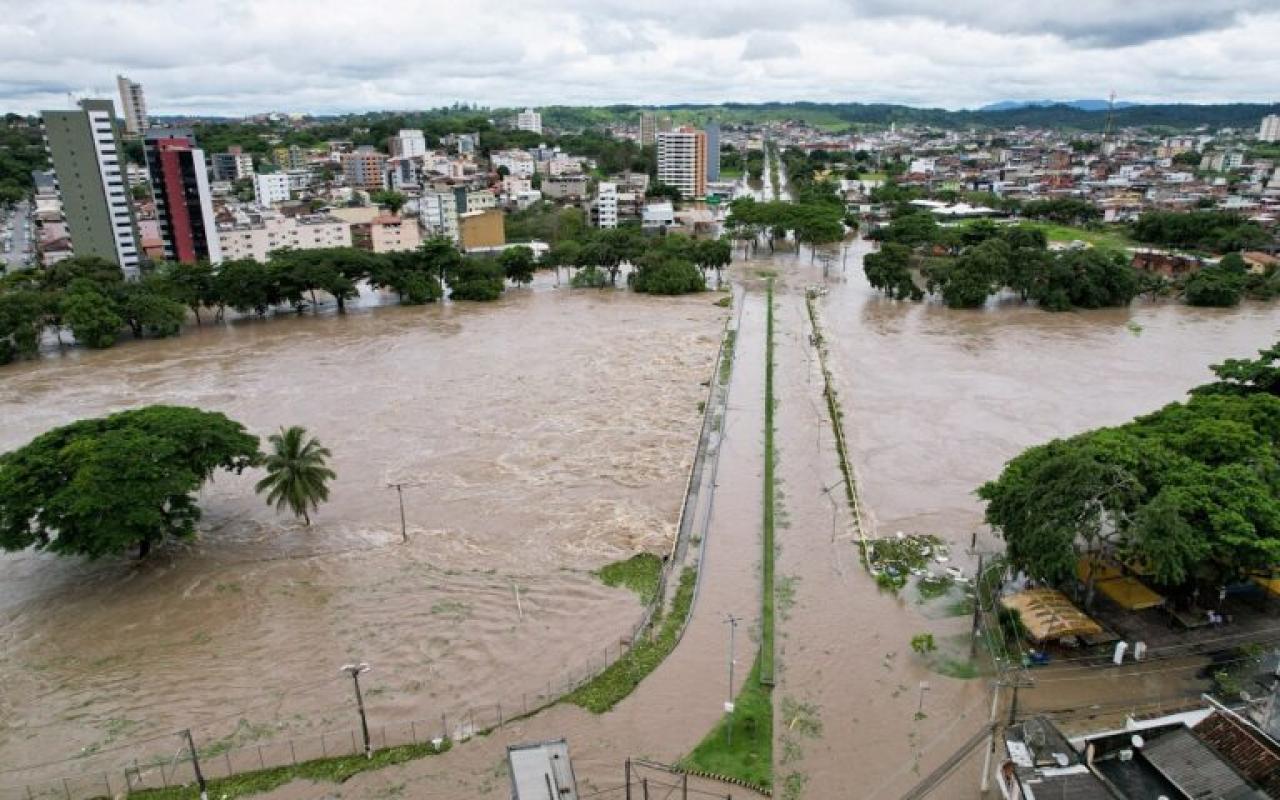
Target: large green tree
103 486
1192 490
889 270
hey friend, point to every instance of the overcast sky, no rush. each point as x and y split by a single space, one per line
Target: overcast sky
319 56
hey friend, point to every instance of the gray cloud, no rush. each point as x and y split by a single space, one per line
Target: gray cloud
764 46
1092 23
243 56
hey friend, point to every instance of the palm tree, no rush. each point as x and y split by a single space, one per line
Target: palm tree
296 472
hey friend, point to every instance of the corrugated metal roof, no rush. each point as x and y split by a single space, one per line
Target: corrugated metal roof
1195 768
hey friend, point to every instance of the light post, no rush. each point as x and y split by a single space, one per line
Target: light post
728 704
404 532
924 687
195 765
354 670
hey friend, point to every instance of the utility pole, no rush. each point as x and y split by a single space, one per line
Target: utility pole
728 704
404 533
195 765
354 670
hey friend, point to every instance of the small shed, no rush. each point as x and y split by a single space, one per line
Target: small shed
542 771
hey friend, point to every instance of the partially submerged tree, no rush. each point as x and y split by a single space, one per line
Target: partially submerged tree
103 486
1192 491
297 477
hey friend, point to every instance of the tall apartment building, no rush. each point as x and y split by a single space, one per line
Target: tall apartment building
233 165
184 206
648 128
438 213
291 157
713 151
408 142
1269 130
605 210
529 120
270 188
133 106
86 156
682 161
364 169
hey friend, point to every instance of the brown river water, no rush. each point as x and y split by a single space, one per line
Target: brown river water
542 437
538 438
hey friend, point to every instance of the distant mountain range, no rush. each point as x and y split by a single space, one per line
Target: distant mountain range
1087 104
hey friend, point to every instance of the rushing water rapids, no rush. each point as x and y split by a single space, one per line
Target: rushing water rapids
537 438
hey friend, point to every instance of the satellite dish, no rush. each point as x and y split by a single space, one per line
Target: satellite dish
1062 759
1136 741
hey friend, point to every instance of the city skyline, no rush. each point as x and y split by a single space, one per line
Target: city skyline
229 57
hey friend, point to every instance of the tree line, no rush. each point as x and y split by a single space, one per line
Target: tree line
126 481
90 298
1191 493
968 263
812 223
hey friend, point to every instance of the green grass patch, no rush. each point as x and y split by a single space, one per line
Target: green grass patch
1107 238
726 359
770 489
620 678
334 770
934 586
749 757
640 573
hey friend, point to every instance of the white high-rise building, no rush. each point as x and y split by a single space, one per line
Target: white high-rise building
607 205
682 161
408 143
270 188
133 106
529 120
1269 131
438 212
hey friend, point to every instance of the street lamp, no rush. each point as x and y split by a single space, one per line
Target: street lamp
354 670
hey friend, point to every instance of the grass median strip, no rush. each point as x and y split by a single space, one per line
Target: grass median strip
620 678
748 754
335 770
766 613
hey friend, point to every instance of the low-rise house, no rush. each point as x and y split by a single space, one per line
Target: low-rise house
256 235
386 233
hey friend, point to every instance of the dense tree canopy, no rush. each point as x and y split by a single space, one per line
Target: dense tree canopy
1191 491
103 486
1215 231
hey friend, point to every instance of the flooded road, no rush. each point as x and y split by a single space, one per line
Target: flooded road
538 438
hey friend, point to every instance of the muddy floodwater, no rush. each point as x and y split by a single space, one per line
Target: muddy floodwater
939 399
537 438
